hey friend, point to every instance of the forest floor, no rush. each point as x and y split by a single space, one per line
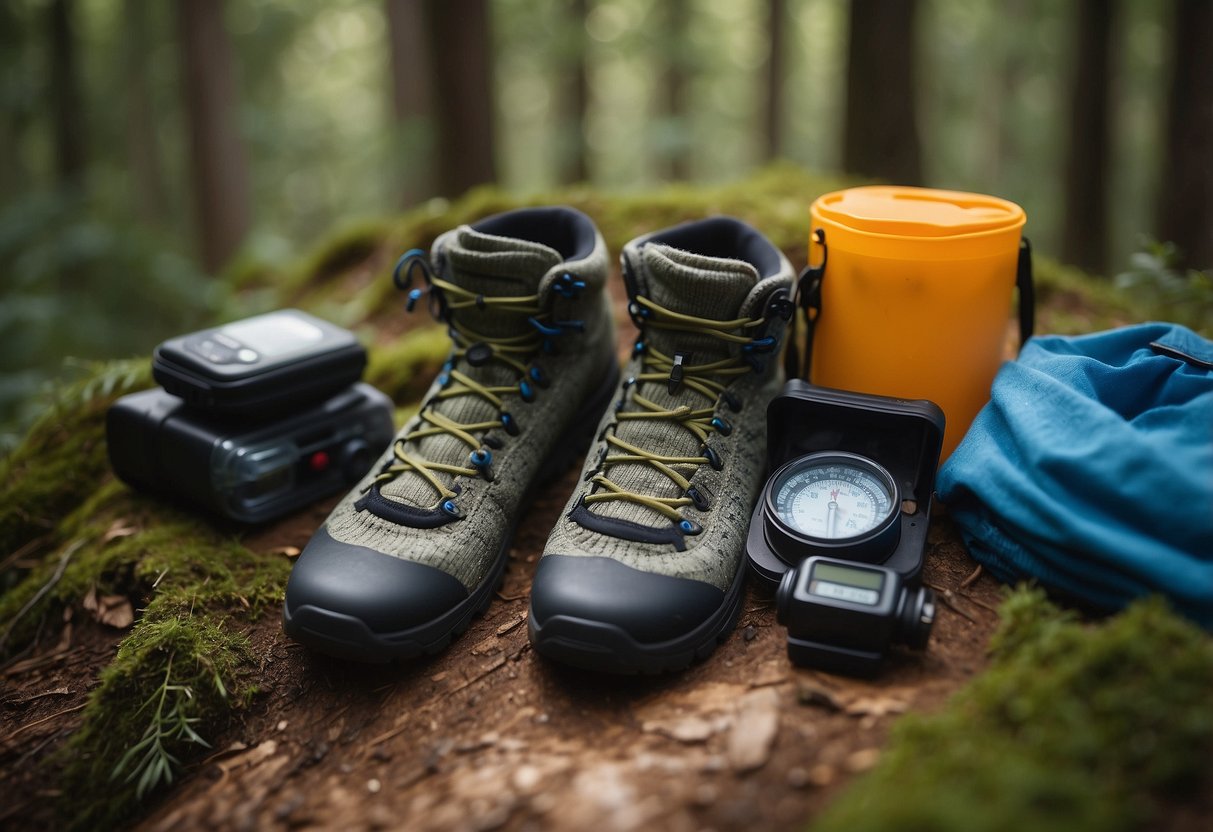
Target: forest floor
486 735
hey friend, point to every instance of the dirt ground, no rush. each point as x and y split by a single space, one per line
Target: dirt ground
488 735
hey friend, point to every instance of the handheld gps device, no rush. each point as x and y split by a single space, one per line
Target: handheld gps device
256 418
841 524
267 362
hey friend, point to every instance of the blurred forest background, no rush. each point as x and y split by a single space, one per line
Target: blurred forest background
148 147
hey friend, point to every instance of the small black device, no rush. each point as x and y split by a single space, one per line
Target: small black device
841 524
267 363
251 471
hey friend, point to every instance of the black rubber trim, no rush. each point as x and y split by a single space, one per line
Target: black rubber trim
400 513
387 607
602 638
626 529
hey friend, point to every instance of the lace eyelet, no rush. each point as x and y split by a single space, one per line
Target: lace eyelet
723 426
478 354
539 377
700 500
689 527
713 457
482 461
449 507
511 426
526 391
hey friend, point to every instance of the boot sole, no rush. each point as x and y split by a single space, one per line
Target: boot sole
608 648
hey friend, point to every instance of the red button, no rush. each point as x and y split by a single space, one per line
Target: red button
318 461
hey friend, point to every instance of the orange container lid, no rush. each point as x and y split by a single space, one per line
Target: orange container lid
901 211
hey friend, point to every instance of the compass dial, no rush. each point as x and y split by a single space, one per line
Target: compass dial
836 500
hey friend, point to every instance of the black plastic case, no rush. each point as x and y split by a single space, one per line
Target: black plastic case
245 470
902 435
260 365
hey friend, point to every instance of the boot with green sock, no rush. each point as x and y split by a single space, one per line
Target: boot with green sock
419 546
644 571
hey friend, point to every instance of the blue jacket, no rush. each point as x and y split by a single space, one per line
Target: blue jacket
1091 469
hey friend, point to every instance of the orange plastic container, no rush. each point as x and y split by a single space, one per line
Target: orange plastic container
915 295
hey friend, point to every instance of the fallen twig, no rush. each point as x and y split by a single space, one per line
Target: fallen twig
45 588
946 596
967 582
29 547
44 720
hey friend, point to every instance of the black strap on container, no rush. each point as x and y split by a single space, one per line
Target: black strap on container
1027 292
807 303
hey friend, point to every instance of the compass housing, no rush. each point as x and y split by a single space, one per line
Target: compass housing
901 437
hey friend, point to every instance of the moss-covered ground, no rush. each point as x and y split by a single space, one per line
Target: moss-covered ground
1124 706
1074 726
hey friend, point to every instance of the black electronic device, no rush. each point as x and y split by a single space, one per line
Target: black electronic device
264 364
251 471
841 524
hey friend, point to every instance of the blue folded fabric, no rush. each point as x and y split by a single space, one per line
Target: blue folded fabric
1091 469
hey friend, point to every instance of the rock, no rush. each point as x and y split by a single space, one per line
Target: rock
863 759
689 729
754 730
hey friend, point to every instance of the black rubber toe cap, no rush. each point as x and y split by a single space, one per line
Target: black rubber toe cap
386 593
647 607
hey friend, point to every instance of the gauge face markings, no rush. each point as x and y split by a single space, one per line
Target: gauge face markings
833 500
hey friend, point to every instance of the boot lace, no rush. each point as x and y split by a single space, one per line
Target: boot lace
709 381
473 349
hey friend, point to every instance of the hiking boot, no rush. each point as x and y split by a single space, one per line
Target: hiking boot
644 571
419 546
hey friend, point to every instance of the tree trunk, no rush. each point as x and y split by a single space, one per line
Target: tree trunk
463 92
1186 198
218 164
1085 234
575 161
674 91
880 136
14 176
143 149
411 105
66 105
777 18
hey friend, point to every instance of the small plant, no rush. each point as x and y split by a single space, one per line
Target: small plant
1155 280
171 724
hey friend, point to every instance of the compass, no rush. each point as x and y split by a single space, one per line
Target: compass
833 503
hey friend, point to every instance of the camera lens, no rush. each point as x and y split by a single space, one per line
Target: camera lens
915 617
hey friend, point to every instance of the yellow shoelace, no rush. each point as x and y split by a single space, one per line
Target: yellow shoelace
513 351
704 379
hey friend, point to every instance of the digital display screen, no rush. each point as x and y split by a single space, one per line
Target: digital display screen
273 335
844 583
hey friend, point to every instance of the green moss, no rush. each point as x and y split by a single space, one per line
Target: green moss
404 368
194 660
1069 301
1074 726
776 199
188 578
63 459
